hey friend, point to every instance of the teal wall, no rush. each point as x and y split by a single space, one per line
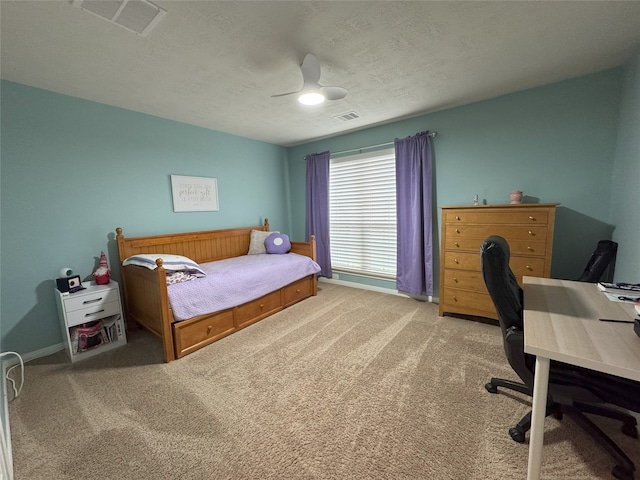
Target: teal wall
556 143
626 178
73 171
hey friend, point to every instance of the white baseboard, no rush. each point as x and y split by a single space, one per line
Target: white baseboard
373 288
43 352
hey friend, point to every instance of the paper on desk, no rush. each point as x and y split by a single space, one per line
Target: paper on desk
614 297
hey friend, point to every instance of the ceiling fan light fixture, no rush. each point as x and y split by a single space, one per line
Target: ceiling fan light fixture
311 98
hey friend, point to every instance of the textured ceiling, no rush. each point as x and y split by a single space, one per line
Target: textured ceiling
216 64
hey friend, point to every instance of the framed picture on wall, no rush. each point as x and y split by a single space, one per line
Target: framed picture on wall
194 194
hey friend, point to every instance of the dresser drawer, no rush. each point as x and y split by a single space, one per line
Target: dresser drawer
76 301
94 312
297 291
462 261
462 301
532 266
467 244
257 309
530 217
511 232
464 279
517 247
193 334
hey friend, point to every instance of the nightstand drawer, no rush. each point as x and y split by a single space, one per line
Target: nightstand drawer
76 301
94 312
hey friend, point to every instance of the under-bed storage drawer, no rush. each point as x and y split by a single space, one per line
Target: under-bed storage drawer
257 309
297 291
190 335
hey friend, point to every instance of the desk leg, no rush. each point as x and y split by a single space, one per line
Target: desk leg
538 414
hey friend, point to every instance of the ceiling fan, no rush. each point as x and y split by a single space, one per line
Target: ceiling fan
312 93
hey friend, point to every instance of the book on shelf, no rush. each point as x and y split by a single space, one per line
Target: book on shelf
110 328
629 289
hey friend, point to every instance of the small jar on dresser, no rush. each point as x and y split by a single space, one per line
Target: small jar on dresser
91 320
528 229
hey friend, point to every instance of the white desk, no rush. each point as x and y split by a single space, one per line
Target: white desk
561 323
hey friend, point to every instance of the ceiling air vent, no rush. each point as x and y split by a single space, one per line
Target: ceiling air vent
345 117
138 16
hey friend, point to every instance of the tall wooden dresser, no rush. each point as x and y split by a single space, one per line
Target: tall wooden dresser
528 228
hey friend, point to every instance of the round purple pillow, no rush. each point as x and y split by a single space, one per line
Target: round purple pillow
277 243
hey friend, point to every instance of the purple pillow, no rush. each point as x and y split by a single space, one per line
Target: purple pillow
277 243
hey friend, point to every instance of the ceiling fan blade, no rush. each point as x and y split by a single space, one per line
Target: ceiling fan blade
285 94
310 69
333 93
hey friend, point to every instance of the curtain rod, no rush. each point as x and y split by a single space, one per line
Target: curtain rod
431 134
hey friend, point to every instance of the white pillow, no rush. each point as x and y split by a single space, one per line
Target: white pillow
256 245
173 263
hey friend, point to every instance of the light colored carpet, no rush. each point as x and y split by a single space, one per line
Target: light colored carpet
350 384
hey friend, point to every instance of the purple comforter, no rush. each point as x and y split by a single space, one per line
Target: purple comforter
235 281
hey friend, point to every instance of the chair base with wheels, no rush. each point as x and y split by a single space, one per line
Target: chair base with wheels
518 432
624 468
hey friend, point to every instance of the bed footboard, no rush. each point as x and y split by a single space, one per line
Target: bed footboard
147 303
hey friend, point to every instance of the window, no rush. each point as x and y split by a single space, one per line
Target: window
362 214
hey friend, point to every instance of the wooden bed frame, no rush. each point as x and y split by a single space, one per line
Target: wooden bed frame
147 302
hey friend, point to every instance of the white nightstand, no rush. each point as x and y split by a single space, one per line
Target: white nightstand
96 302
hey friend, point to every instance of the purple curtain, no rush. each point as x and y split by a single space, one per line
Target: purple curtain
317 222
414 204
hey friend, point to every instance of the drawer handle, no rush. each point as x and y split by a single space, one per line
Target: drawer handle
261 306
455 279
92 301
456 244
298 290
528 267
532 233
457 231
531 217
457 217
455 299
455 260
94 313
208 329
529 248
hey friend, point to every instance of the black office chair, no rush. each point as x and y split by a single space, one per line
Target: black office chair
600 263
572 390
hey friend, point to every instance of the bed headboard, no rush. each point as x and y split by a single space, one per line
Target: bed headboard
201 247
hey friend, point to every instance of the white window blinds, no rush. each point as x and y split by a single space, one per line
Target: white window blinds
362 214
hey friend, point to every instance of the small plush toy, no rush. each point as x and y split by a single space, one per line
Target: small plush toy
102 273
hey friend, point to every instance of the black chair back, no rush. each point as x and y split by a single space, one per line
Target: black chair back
506 295
601 261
